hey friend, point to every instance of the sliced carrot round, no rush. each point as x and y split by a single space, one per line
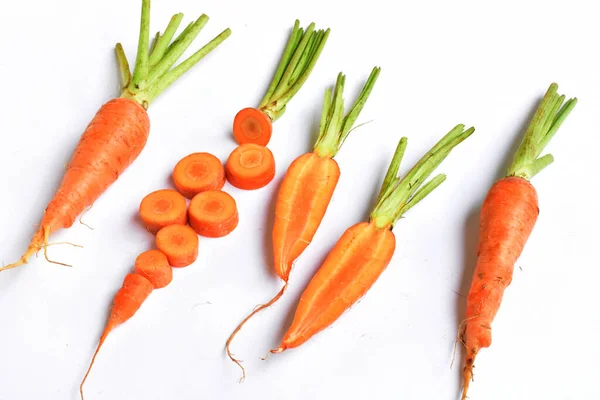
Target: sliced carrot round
251 125
213 214
154 266
250 166
179 243
197 173
162 208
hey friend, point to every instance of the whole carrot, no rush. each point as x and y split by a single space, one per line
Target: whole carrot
118 133
508 215
365 249
308 186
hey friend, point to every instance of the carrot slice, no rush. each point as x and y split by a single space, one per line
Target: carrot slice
154 266
213 214
251 125
250 167
162 208
179 243
198 172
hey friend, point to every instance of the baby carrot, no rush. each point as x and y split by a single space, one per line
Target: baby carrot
179 243
365 249
197 173
308 186
508 215
250 167
254 125
162 208
213 214
118 133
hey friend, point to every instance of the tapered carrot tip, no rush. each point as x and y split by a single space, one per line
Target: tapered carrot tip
179 243
468 373
250 167
251 125
213 214
278 350
38 242
198 172
162 208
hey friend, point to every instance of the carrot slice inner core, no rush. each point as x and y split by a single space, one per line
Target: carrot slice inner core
251 158
162 206
177 239
197 170
251 128
214 207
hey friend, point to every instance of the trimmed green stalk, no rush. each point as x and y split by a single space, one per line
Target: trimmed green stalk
548 117
152 73
397 194
335 127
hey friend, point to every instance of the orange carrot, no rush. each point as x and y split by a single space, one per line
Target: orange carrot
255 125
197 173
118 133
508 215
213 214
307 188
179 243
250 167
365 250
154 266
162 208
129 298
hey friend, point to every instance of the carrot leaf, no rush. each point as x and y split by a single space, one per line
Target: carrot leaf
140 72
123 65
399 194
548 117
335 127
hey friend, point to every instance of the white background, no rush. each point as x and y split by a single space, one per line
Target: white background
442 63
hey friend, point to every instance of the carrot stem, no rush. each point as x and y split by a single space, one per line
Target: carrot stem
546 121
180 36
163 41
123 65
140 72
392 172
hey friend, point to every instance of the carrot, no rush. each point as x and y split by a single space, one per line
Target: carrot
508 215
118 133
365 249
250 167
154 266
129 298
308 186
197 173
213 214
162 208
254 125
179 243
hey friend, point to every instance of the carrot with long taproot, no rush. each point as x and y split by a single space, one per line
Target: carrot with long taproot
119 131
255 125
365 249
508 215
307 188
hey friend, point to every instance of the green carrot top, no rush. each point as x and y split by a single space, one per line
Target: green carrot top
297 62
152 73
548 117
399 194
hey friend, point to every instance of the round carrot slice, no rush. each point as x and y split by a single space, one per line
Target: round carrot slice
213 214
154 266
251 125
197 173
250 167
179 243
161 208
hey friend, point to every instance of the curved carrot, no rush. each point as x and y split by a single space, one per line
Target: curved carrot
154 266
179 243
162 208
254 125
365 250
250 167
198 172
129 298
508 215
213 214
118 132
307 188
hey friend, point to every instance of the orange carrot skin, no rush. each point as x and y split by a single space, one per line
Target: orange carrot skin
129 298
302 201
351 268
508 215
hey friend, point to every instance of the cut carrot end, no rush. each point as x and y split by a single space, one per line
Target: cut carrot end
179 243
213 214
198 172
154 266
251 125
163 208
250 166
